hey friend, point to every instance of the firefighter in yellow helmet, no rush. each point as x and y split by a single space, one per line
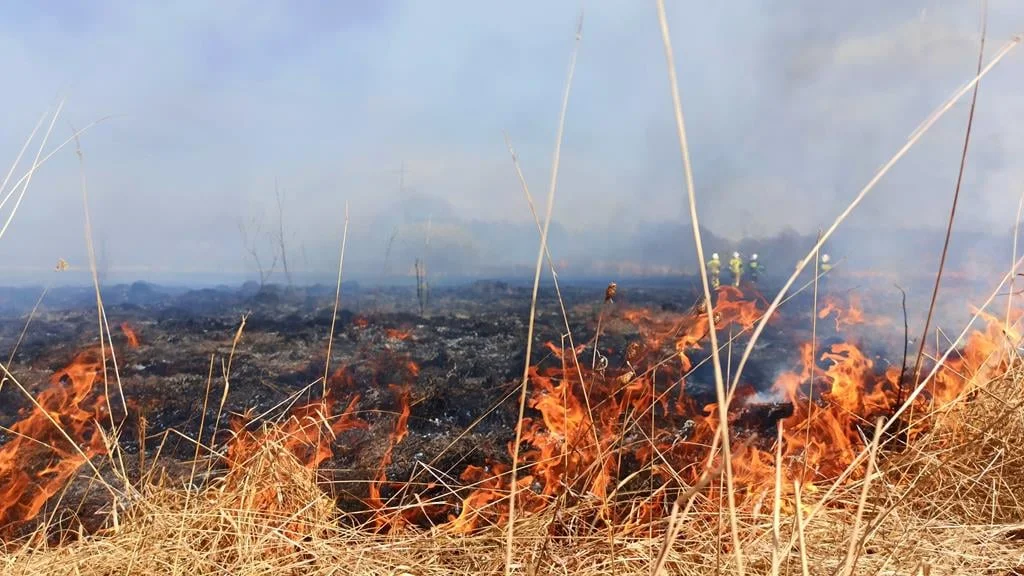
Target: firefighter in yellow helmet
736 267
826 264
714 271
755 268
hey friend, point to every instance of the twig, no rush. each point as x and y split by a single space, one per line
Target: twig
1011 294
597 335
337 300
777 503
17 160
27 179
280 234
804 569
915 137
510 534
561 301
920 387
680 508
906 346
855 541
104 327
814 356
956 196
723 415
24 330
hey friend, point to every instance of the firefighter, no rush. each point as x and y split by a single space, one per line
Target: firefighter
755 268
736 267
826 264
714 271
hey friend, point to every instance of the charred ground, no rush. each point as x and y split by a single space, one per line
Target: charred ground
458 364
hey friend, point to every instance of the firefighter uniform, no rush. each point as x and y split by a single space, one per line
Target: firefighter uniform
714 271
826 264
736 267
755 268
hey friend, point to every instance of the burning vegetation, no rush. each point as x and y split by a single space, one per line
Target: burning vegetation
608 453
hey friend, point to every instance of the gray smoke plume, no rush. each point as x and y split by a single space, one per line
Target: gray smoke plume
398 109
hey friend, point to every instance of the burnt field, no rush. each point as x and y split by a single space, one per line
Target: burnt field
417 399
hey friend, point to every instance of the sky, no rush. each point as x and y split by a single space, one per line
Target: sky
399 109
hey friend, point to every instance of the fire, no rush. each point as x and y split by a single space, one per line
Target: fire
398 433
486 485
575 445
307 433
395 334
735 310
130 334
852 314
588 432
38 461
272 472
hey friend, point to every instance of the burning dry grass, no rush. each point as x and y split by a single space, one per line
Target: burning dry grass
949 502
940 492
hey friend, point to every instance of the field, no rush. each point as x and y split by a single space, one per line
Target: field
404 466
797 424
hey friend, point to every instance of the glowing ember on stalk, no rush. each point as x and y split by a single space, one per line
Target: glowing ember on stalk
38 461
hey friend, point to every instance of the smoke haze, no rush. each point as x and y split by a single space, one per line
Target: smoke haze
399 108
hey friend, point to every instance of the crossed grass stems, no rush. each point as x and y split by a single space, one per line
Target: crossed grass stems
929 461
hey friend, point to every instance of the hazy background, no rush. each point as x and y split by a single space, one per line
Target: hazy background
791 107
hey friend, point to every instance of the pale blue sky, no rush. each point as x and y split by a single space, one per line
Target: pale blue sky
790 105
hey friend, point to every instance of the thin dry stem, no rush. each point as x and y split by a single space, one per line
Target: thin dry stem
915 137
510 530
337 301
723 419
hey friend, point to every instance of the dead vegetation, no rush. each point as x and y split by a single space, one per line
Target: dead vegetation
950 503
927 485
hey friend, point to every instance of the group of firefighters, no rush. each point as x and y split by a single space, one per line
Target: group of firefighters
737 268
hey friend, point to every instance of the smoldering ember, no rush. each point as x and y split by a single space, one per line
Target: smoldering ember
416 421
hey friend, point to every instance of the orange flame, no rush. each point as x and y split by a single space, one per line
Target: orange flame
588 430
852 314
398 434
39 460
307 433
130 334
395 334
574 445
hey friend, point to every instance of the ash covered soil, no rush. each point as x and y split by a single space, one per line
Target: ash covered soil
468 347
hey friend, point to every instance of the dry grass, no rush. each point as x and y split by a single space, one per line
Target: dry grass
951 503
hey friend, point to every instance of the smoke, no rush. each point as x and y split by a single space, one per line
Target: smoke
399 110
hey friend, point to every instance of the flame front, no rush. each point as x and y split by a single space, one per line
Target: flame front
592 425
39 460
589 432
